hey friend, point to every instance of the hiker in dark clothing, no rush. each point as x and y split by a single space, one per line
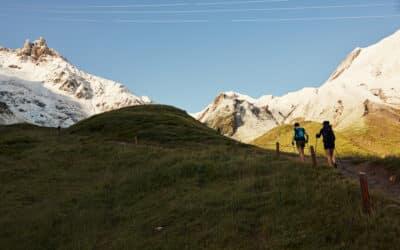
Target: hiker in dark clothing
329 142
301 138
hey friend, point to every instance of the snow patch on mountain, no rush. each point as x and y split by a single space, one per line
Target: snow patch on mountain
39 86
365 76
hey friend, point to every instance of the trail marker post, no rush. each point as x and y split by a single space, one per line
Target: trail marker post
278 149
313 156
365 193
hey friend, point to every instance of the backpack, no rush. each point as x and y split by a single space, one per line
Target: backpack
299 134
328 134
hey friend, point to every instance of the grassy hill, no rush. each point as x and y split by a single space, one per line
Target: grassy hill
182 187
284 135
151 124
377 135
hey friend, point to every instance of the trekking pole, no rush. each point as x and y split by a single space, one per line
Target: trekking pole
316 144
313 156
278 152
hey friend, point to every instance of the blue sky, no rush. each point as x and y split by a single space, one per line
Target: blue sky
185 52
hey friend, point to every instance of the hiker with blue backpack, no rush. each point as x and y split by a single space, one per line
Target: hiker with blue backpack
329 142
300 138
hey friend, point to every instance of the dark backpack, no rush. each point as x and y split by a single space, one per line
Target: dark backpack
328 134
299 134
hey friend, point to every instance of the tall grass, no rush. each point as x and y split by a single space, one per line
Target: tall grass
83 190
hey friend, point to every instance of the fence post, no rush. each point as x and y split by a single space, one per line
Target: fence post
313 156
278 152
365 192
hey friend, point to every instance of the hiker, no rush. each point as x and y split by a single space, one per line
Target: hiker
301 138
329 142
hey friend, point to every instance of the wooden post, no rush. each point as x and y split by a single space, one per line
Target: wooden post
136 140
278 149
365 192
313 156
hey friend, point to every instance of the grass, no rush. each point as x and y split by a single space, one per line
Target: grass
284 135
374 136
93 188
152 123
378 134
374 140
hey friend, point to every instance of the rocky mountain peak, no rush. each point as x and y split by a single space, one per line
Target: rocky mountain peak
39 86
345 64
370 73
36 51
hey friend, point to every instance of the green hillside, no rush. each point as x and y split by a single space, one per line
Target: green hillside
284 135
376 135
151 124
379 133
182 187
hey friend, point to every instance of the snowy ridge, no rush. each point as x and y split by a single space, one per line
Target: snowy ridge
39 86
366 76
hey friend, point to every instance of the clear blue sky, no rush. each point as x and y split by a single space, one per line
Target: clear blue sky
184 52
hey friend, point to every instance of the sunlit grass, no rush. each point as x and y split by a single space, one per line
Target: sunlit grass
182 187
371 137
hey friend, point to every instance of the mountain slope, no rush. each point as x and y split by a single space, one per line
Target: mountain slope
377 135
284 135
39 86
92 187
368 76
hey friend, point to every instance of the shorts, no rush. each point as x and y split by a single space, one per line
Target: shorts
300 144
329 145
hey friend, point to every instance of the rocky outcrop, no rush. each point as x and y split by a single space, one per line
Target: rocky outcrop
5 49
36 51
343 66
4 110
6 115
339 109
234 115
379 93
366 79
39 86
13 66
71 84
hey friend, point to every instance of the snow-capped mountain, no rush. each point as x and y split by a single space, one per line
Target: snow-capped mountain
368 78
39 86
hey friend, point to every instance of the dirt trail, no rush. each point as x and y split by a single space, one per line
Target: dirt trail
378 177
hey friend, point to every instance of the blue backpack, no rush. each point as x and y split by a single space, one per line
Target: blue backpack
299 134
